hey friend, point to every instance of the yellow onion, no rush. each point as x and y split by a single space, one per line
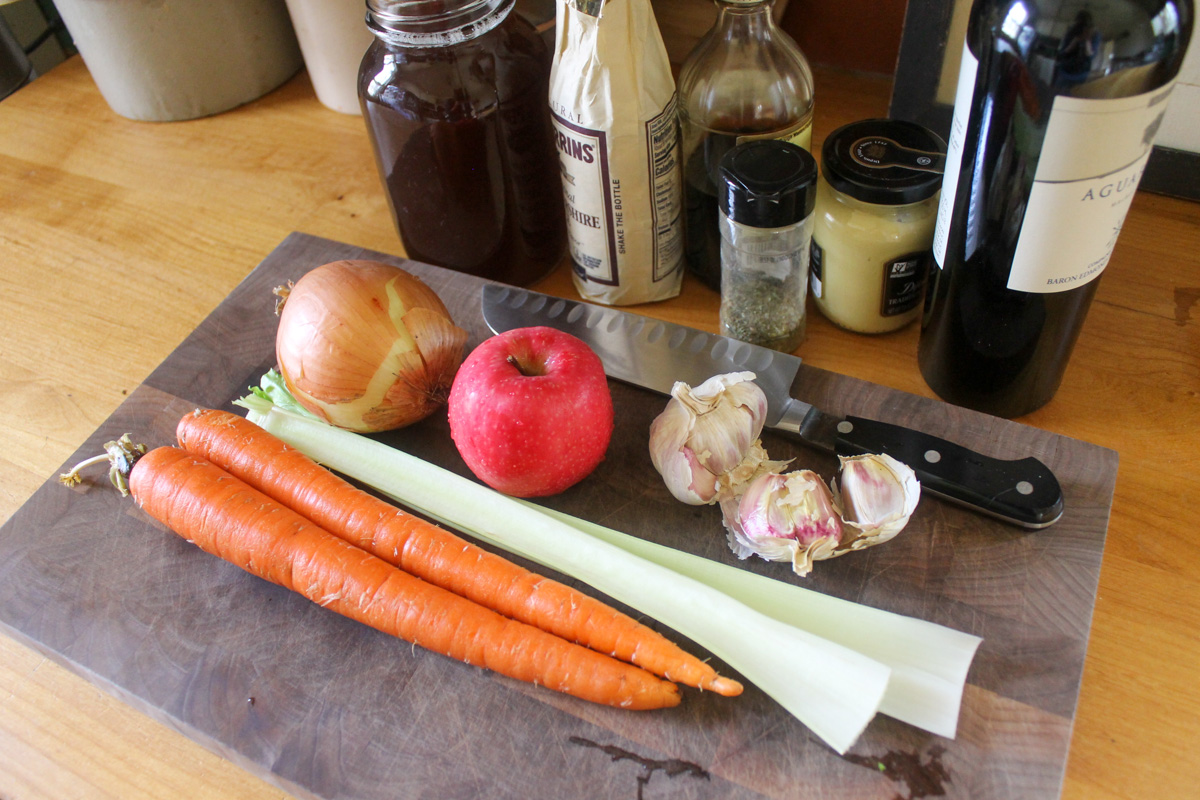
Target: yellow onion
367 346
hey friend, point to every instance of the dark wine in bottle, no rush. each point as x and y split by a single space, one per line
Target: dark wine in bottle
1057 106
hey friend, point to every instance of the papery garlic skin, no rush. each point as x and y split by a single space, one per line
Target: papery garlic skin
756 463
877 494
784 517
708 435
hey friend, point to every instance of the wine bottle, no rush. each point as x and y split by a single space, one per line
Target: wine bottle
1057 105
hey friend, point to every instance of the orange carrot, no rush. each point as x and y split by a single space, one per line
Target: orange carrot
433 553
224 516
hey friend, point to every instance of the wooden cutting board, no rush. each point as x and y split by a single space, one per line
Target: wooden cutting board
327 708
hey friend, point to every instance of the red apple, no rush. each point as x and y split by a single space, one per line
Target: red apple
530 411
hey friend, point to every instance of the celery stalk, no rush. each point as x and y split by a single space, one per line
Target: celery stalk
833 690
929 662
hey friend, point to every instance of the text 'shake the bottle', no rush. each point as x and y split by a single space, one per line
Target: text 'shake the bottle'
1057 106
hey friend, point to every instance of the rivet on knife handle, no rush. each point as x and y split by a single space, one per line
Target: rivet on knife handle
1023 491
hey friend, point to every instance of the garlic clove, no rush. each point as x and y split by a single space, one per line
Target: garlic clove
729 411
708 434
784 517
720 441
878 495
688 479
685 476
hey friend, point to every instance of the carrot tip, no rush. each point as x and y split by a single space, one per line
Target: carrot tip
726 687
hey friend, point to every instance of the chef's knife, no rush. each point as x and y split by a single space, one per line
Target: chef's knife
654 355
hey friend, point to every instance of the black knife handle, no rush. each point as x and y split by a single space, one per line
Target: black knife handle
1024 491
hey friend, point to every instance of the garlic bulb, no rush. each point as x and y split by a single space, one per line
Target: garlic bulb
878 494
706 446
705 442
784 517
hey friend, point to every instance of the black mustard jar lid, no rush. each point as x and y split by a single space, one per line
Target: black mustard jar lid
767 183
884 161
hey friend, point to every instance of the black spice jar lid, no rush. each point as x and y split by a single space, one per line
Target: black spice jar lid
884 161
767 183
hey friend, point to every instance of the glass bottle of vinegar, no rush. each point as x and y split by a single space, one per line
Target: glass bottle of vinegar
746 79
454 96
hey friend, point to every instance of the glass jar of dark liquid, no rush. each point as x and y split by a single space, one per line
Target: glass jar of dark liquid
454 96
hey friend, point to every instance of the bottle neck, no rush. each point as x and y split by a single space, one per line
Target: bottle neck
753 19
434 23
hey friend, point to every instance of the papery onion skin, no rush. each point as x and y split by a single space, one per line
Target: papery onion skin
367 346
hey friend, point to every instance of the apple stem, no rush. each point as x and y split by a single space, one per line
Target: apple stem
518 366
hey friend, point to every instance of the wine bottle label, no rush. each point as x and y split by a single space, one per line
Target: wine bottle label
967 70
1091 162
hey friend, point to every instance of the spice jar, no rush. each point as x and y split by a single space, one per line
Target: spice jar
767 197
877 204
454 97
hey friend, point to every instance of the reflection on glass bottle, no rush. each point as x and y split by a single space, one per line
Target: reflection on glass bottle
1054 120
746 79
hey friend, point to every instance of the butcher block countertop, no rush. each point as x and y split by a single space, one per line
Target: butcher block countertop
119 239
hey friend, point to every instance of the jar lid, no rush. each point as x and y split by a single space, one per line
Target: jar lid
767 183
433 23
884 161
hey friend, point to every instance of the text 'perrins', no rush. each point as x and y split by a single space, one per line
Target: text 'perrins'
582 151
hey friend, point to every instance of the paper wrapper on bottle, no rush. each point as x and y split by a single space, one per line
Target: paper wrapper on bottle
612 98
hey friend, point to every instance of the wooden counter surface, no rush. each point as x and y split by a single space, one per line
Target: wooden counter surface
119 237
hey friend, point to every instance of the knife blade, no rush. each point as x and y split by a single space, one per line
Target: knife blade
653 354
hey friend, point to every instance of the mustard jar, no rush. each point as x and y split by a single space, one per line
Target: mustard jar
877 202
